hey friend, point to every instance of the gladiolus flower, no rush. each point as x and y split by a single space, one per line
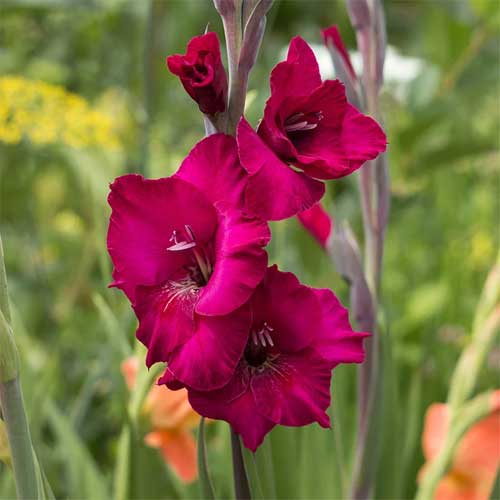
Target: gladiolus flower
189 259
202 73
309 124
477 457
171 418
318 223
297 336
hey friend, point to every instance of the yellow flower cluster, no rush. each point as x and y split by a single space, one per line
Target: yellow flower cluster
47 114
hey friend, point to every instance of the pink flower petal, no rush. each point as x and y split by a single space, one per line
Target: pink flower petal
213 167
290 308
274 190
235 404
296 392
291 81
336 341
318 223
240 262
144 215
202 73
299 75
330 156
166 320
208 359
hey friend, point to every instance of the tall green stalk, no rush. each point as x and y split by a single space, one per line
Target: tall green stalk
367 19
241 486
11 401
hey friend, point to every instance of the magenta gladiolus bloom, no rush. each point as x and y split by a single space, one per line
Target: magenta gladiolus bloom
202 73
318 223
309 124
298 334
189 259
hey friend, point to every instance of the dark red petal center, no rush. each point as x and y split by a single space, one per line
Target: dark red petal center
260 346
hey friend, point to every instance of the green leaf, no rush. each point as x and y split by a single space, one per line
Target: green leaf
260 471
112 326
84 478
207 489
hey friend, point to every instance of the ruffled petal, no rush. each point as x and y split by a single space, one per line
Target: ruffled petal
213 167
125 286
166 320
336 341
235 404
240 262
296 391
330 155
144 215
208 359
299 75
274 190
291 81
289 308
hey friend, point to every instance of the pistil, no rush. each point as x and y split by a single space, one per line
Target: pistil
189 243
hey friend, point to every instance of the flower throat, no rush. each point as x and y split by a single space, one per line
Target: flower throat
185 239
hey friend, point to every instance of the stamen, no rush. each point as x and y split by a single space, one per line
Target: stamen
190 243
268 337
179 288
294 118
262 338
254 338
202 264
190 232
296 127
300 122
182 245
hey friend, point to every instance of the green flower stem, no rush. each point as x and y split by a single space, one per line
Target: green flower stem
233 29
206 486
374 194
460 422
11 402
244 23
485 327
18 433
241 487
4 294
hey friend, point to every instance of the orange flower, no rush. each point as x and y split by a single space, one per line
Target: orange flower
172 419
472 473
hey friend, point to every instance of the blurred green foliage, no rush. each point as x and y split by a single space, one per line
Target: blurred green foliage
73 332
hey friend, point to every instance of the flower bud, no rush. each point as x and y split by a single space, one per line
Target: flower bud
344 69
202 73
224 7
344 252
359 14
253 33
